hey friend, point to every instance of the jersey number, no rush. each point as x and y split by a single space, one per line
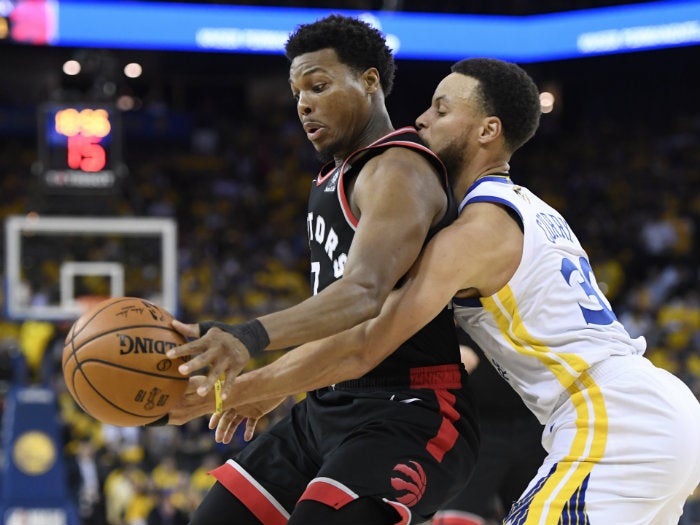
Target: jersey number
604 316
315 271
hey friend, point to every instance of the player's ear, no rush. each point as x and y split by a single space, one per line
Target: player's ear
371 80
491 129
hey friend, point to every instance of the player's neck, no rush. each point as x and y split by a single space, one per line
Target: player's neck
376 129
469 177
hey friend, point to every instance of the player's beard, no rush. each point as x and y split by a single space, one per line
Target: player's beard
452 157
332 151
328 153
324 156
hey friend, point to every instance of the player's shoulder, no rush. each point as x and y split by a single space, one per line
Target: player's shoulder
399 157
401 165
405 142
399 141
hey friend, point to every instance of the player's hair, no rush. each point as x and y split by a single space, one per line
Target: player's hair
507 92
356 43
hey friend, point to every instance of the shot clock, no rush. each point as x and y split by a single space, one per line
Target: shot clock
79 148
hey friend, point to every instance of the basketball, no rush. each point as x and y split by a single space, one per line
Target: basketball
114 362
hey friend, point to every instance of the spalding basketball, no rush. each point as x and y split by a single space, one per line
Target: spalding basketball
115 366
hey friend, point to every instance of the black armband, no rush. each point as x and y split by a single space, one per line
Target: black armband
251 333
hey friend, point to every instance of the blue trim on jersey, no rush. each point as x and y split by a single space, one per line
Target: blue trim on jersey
492 199
519 510
503 179
573 512
466 301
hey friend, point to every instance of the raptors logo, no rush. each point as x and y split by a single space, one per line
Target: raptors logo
410 485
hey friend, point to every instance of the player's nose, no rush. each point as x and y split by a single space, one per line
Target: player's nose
422 121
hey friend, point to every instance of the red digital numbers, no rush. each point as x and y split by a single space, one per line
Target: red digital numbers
86 153
84 130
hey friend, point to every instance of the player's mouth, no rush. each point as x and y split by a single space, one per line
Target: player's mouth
313 130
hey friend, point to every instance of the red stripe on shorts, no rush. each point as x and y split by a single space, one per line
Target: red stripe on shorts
439 376
456 517
250 493
328 492
447 433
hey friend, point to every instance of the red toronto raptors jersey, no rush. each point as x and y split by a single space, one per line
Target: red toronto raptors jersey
331 228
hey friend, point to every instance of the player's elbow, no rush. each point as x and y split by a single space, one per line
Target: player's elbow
367 299
358 364
367 354
370 307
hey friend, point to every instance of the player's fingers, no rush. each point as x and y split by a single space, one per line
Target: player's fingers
204 356
231 430
194 382
208 384
188 330
214 420
222 431
223 428
250 428
227 384
187 349
214 374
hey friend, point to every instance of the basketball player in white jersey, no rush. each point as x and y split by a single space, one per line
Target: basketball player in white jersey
622 436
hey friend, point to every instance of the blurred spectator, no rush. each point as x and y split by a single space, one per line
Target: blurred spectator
165 512
165 474
85 483
125 488
201 481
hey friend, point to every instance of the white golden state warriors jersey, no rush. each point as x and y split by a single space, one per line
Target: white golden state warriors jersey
550 322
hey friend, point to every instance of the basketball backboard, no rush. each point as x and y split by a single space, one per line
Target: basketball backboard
57 266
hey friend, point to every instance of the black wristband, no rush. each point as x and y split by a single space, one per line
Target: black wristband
251 333
159 422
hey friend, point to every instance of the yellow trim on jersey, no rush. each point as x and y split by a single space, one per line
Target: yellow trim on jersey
590 438
587 449
504 309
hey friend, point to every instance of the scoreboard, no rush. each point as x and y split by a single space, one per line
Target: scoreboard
80 148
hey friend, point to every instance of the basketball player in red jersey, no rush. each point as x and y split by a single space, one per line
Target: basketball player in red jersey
389 442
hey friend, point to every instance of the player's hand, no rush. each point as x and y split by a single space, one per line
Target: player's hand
218 351
227 422
191 405
190 331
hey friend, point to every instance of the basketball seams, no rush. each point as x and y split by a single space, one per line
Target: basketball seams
105 388
106 400
129 327
74 350
131 369
99 311
77 370
75 332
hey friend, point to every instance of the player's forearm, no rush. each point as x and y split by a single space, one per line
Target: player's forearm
311 366
339 307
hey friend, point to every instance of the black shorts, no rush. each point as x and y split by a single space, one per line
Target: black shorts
413 449
510 455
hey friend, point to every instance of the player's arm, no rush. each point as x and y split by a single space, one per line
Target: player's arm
397 197
479 253
352 353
